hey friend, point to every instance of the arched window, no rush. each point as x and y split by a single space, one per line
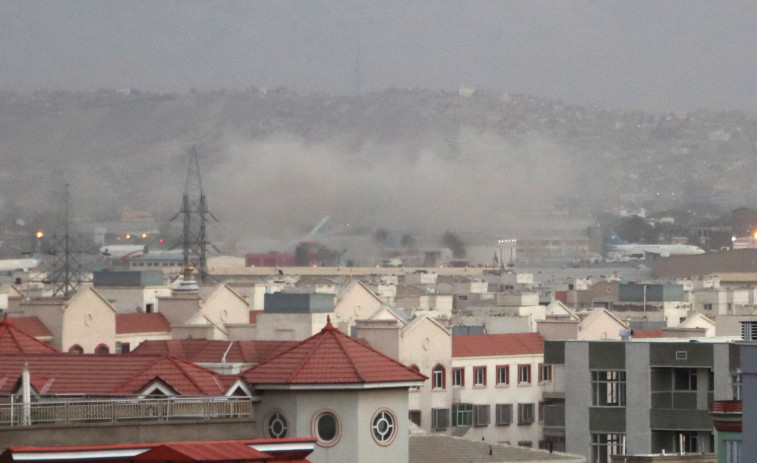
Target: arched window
415 368
76 349
438 377
327 428
102 349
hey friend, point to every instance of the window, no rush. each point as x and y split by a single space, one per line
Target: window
541 412
123 347
276 426
736 384
458 377
525 413
481 414
690 441
545 373
437 377
732 451
685 379
605 445
383 427
503 375
525 443
524 374
708 307
149 308
749 331
327 428
415 417
608 388
479 376
462 414
102 349
439 418
504 414
76 349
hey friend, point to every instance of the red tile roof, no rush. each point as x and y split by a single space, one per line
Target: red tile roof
643 334
236 451
330 357
32 326
212 351
61 373
487 345
128 323
14 340
291 450
184 377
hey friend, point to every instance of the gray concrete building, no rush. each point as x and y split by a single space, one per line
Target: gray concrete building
637 396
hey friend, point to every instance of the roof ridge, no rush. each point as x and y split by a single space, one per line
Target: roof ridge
308 356
349 357
187 363
184 371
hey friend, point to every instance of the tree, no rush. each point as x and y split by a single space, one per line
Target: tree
455 244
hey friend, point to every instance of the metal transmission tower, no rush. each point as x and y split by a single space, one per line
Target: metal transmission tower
194 208
67 274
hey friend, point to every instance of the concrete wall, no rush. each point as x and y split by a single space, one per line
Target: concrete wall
355 410
88 321
225 306
120 433
638 398
577 398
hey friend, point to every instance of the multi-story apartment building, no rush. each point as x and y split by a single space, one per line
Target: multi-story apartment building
636 397
496 383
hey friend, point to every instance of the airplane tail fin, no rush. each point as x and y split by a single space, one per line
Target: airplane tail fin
614 239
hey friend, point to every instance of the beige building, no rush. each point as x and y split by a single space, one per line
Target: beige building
84 323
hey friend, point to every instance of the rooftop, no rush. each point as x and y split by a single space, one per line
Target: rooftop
487 345
330 357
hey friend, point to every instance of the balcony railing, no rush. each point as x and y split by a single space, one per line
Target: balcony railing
124 411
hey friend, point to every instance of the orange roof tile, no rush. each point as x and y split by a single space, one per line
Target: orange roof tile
212 351
184 377
32 326
128 323
62 373
330 357
237 451
14 340
486 345
643 334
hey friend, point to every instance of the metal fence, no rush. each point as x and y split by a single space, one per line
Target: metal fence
72 412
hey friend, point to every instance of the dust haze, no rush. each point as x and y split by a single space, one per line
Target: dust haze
469 180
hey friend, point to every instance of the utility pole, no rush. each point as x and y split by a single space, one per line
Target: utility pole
67 274
194 208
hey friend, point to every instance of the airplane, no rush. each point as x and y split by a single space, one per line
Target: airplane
23 264
123 251
626 250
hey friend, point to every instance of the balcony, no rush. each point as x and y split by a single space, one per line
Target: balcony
554 420
554 389
125 410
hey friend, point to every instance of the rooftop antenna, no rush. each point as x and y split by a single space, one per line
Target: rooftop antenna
68 273
194 208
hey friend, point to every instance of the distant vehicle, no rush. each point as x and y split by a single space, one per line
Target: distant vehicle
623 250
123 251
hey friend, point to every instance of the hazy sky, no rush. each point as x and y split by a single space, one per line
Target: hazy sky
657 55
